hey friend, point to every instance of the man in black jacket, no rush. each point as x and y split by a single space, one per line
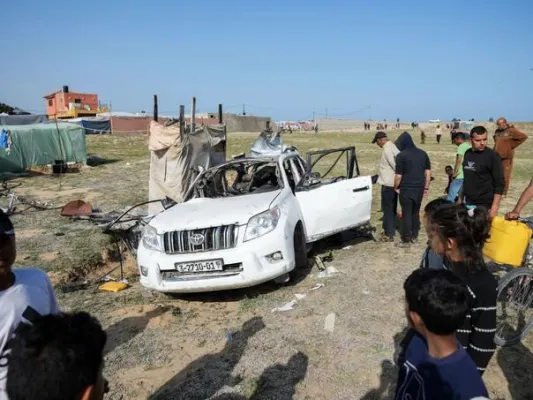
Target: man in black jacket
413 175
483 174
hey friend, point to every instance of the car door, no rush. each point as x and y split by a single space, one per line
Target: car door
336 204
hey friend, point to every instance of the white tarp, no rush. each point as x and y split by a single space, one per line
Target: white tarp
174 161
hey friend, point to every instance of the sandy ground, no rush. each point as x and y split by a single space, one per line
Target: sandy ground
231 344
203 346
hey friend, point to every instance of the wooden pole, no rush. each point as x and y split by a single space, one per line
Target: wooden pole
155 108
193 115
220 114
182 121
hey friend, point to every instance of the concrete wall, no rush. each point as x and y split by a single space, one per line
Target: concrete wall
234 123
241 123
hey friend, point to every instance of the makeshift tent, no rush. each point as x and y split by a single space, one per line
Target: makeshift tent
25 146
6 119
93 126
174 160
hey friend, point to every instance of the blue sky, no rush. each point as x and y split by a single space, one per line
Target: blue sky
358 59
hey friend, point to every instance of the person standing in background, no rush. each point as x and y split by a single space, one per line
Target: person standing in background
412 179
483 174
506 139
458 174
438 133
389 198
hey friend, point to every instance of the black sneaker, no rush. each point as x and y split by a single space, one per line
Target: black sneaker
403 245
386 239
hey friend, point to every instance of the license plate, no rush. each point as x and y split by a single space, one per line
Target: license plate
200 266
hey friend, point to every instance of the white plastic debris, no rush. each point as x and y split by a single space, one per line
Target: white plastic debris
347 247
317 286
286 307
329 271
299 296
332 270
366 291
329 324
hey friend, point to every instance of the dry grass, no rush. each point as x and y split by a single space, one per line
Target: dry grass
206 346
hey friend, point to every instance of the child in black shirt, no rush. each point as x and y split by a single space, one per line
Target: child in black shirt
449 172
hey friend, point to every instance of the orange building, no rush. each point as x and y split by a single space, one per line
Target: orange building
67 104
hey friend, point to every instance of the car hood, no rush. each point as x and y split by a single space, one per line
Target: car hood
203 212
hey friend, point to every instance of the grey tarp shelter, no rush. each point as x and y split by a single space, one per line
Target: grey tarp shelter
174 160
93 125
42 144
28 119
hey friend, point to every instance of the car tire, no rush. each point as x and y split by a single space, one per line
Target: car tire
300 247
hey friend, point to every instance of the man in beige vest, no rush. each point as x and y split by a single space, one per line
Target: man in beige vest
389 198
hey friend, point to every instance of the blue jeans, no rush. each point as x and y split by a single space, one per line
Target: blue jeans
454 189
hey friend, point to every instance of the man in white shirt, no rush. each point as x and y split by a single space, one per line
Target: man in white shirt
389 197
25 294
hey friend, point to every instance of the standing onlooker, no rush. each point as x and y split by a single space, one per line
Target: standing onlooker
58 357
389 197
412 179
438 133
483 174
458 175
433 365
25 293
506 139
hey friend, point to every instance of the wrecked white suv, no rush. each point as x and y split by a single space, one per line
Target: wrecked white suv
249 221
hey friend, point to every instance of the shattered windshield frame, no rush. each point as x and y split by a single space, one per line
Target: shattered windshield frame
240 177
314 157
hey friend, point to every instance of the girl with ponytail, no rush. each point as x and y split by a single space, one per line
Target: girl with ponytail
458 235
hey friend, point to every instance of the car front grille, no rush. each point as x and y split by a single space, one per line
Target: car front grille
198 240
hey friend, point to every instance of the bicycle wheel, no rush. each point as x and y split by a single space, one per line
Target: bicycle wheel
515 307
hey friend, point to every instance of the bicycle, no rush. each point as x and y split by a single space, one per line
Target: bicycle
515 290
7 192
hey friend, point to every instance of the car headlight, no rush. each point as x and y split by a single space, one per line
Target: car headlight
151 239
261 224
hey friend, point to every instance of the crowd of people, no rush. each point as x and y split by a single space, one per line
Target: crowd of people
450 300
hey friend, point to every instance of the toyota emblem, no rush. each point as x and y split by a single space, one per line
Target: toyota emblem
197 239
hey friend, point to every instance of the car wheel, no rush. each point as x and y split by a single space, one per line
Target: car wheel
300 247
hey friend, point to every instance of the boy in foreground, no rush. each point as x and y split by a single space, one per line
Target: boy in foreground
58 357
25 294
433 365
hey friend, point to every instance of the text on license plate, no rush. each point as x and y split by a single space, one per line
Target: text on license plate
200 266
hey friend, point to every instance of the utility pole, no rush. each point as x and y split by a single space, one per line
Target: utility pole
243 109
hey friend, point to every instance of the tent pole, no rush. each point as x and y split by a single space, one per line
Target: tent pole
155 108
193 115
110 117
182 121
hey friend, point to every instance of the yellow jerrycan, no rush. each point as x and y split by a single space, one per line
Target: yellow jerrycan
508 242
